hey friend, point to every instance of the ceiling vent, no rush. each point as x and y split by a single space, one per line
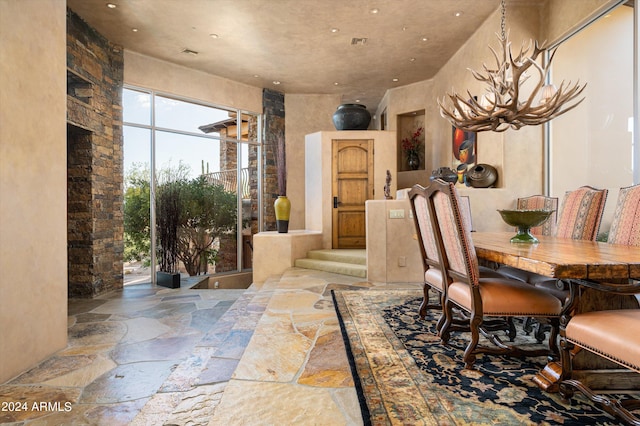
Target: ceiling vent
190 52
358 41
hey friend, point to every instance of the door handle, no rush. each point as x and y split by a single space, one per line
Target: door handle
335 202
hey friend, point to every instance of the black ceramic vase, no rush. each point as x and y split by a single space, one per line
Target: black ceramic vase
413 159
482 176
351 117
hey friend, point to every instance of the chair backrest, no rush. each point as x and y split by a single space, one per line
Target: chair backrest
453 236
581 213
541 202
465 211
625 227
424 226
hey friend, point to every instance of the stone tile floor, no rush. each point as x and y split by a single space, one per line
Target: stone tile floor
268 355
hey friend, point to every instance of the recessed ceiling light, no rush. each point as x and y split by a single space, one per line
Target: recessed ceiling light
112 5
336 84
358 101
256 76
276 82
424 39
412 59
395 80
457 14
335 30
374 10
213 35
135 30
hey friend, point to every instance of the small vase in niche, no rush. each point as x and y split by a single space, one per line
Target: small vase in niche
282 208
413 159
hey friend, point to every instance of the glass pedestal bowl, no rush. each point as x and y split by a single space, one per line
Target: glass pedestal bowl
524 220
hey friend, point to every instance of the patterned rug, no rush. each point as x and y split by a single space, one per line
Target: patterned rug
404 375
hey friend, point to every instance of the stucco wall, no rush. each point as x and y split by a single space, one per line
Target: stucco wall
304 114
33 183
517 155
151 73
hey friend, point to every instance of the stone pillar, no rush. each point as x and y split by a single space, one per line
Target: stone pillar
94 161
273 115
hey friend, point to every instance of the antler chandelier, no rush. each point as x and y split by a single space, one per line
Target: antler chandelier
500 107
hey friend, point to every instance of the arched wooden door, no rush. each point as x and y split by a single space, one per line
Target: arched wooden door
352 171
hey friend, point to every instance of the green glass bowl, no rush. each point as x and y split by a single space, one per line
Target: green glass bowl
524 220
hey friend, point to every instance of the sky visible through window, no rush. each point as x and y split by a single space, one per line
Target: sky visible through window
172 148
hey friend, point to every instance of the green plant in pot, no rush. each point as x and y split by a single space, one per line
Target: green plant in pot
282 205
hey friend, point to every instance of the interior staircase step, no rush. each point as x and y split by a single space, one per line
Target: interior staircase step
354 256
343 268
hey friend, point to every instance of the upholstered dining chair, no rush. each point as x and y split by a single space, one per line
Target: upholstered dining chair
433 277
625 227
534 202
610 334
484 301
579 218
540 202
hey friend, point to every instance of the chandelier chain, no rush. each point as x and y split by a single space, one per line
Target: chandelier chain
503 25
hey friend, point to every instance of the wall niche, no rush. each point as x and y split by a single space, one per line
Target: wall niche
407 124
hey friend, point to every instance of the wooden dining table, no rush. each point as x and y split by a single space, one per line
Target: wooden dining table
578 260
560 257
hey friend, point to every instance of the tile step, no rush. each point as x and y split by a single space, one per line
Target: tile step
342 268
354 256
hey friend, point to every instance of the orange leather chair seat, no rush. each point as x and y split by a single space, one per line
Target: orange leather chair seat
503 297
615 335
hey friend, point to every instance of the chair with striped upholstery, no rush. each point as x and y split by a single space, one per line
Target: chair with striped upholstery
625 228
611 334
433 277
484 302
541 202
579 218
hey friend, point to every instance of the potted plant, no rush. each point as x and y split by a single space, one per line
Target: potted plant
411 147
168 220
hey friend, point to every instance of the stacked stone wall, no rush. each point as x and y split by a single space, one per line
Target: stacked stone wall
95 161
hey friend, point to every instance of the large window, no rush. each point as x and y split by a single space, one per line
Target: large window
199 212
594 143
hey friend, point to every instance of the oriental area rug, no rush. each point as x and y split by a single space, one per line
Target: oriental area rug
404 375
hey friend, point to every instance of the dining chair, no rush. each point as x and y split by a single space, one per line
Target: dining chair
579 218
485 302
533 202
540 202
433 276
465 210
609 334
625 227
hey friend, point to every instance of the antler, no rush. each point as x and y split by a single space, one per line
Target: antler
500 108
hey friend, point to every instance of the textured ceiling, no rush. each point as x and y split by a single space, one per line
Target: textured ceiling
260 41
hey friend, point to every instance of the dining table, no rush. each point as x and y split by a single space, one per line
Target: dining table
583 262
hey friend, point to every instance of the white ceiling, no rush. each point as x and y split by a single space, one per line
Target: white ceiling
262 41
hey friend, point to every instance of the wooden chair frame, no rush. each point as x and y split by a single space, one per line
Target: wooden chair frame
587 382
478 321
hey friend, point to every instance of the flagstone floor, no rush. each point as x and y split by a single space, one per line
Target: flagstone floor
269 355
